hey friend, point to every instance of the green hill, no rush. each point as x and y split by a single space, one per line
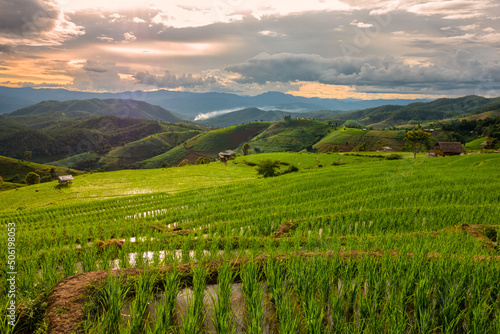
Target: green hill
93 135
391 115
346 139
292 135
209 144
14 171
132 154
47 113
254 114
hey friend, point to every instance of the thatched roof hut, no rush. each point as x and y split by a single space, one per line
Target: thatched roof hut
386 149
226 155
65 179
448 148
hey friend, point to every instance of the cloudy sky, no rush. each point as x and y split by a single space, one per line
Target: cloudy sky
324 48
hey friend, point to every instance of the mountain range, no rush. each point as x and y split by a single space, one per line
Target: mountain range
190 105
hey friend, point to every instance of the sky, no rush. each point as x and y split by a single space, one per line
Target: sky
315 48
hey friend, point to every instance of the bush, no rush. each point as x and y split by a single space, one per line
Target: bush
268 168
183 163
290 169
164 164
32 178
203 160
394 156
490 233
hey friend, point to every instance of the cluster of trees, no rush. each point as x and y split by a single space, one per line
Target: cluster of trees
467 130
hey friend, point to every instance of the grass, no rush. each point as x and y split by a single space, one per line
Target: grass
97 186
475 144
15 171
292 135
400 210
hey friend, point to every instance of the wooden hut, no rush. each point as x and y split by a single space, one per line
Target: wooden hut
65 180
386 149
448 148
226 155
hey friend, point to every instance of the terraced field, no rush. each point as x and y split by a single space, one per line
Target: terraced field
367 246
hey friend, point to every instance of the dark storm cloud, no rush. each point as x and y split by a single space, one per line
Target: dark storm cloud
169 80
27 17
459 67
6 49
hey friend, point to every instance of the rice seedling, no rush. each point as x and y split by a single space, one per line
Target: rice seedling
165 307
223 317
253 293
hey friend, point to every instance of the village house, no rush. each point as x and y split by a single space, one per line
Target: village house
65 180
448 148
226 155
386 149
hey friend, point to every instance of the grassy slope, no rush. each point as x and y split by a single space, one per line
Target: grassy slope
208 144
144 149
306 160
475 144
15 171
348 139
375 205
124 183
293 135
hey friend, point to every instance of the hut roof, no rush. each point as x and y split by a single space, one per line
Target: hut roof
484 143
450 147
65 178
227 153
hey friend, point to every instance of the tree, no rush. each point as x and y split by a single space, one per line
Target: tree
415 140
245 148
32 178
268 168
53 173
203 160
183 163
164 164
27 155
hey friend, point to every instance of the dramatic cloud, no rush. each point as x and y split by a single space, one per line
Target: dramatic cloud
169 80
34 22
324 47
459 67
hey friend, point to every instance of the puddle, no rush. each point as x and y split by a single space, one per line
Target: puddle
237 308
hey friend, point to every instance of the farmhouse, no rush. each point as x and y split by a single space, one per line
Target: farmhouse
65 180
448 148
226 155
386 149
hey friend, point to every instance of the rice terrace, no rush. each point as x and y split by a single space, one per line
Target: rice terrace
369 245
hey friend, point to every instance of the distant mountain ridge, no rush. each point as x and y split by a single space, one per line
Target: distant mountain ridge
191 104
390 115
46 111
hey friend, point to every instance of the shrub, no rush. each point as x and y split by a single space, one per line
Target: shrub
32 178
394 156
268 168
203 160
490 233
164 164
183 163
290 169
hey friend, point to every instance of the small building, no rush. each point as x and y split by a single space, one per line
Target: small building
448 148
226 155
386 149
65 180
484 144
